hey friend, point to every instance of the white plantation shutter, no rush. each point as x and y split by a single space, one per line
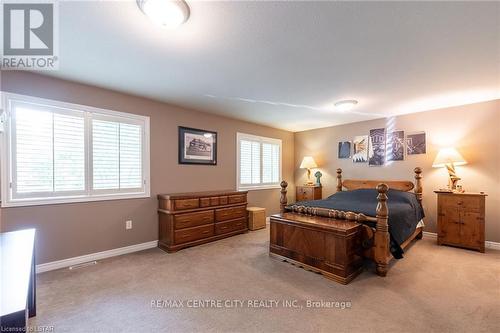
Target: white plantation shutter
249 162
245 162
69 152
50 154
105 154
259 161
130 156
117 155
35 163
270 163
60 152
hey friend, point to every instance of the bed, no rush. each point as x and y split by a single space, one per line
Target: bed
388 215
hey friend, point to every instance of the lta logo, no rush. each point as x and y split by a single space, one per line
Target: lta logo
29 36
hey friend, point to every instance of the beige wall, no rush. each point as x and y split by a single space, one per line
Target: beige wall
70 230
473 129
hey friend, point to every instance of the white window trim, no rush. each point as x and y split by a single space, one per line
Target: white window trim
262 139
88 196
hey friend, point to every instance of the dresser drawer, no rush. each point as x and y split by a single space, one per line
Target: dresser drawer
188 220
225 214
223 200
304 193
230 226
181 204
208 202
204 202
192 234
463 203
232 199
214 201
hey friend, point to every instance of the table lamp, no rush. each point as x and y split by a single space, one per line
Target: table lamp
449 158
308 163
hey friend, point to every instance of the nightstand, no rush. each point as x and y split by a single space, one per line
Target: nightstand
308 192
461 219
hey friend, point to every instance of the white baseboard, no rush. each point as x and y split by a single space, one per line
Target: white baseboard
50 266
487 244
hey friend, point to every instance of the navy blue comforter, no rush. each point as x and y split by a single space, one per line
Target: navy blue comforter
404 210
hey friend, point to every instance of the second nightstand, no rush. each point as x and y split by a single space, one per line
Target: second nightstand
307 192
461 219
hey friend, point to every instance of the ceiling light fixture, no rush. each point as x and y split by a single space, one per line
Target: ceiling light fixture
345 105
166 13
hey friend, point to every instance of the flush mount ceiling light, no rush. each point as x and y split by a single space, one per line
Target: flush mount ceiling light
345 105
166 13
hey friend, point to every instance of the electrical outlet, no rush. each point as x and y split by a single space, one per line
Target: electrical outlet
128 224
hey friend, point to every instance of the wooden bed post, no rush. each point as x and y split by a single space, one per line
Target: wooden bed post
382 243
283 200
418 184
339 180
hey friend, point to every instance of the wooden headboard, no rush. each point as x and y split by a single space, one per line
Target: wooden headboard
401 185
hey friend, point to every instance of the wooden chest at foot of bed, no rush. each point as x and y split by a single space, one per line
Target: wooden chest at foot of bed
323 245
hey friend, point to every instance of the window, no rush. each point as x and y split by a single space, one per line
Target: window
54 152
259 162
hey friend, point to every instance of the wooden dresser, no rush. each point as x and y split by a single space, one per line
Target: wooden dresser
188 219
461 219
308 192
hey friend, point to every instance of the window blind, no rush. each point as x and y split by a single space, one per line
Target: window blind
59 153
259 161
49 152
106 155
270 163
249 162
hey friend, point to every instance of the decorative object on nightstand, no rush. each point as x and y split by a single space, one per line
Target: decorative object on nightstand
461 219
318 175
256 218
308 192
308 163
449 158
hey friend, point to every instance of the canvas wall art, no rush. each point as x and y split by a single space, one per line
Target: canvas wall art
360 143
344 149
197 146
415 143
376 147
395 146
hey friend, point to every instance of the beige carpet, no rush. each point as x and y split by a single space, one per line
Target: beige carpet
434 289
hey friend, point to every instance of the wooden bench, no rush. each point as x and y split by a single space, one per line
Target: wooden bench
323 245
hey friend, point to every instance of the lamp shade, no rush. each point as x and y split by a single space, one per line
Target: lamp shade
308 163
448 156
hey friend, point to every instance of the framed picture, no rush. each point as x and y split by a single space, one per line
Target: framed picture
345 149
360 149
197 146
376 148
415 143
395 149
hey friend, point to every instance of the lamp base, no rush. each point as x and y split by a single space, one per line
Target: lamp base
453 176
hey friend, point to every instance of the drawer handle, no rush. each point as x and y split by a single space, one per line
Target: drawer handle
205 232
223 228
186 235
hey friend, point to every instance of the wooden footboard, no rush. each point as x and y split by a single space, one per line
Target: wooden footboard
375 240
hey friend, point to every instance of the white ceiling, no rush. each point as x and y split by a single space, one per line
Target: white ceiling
285 63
